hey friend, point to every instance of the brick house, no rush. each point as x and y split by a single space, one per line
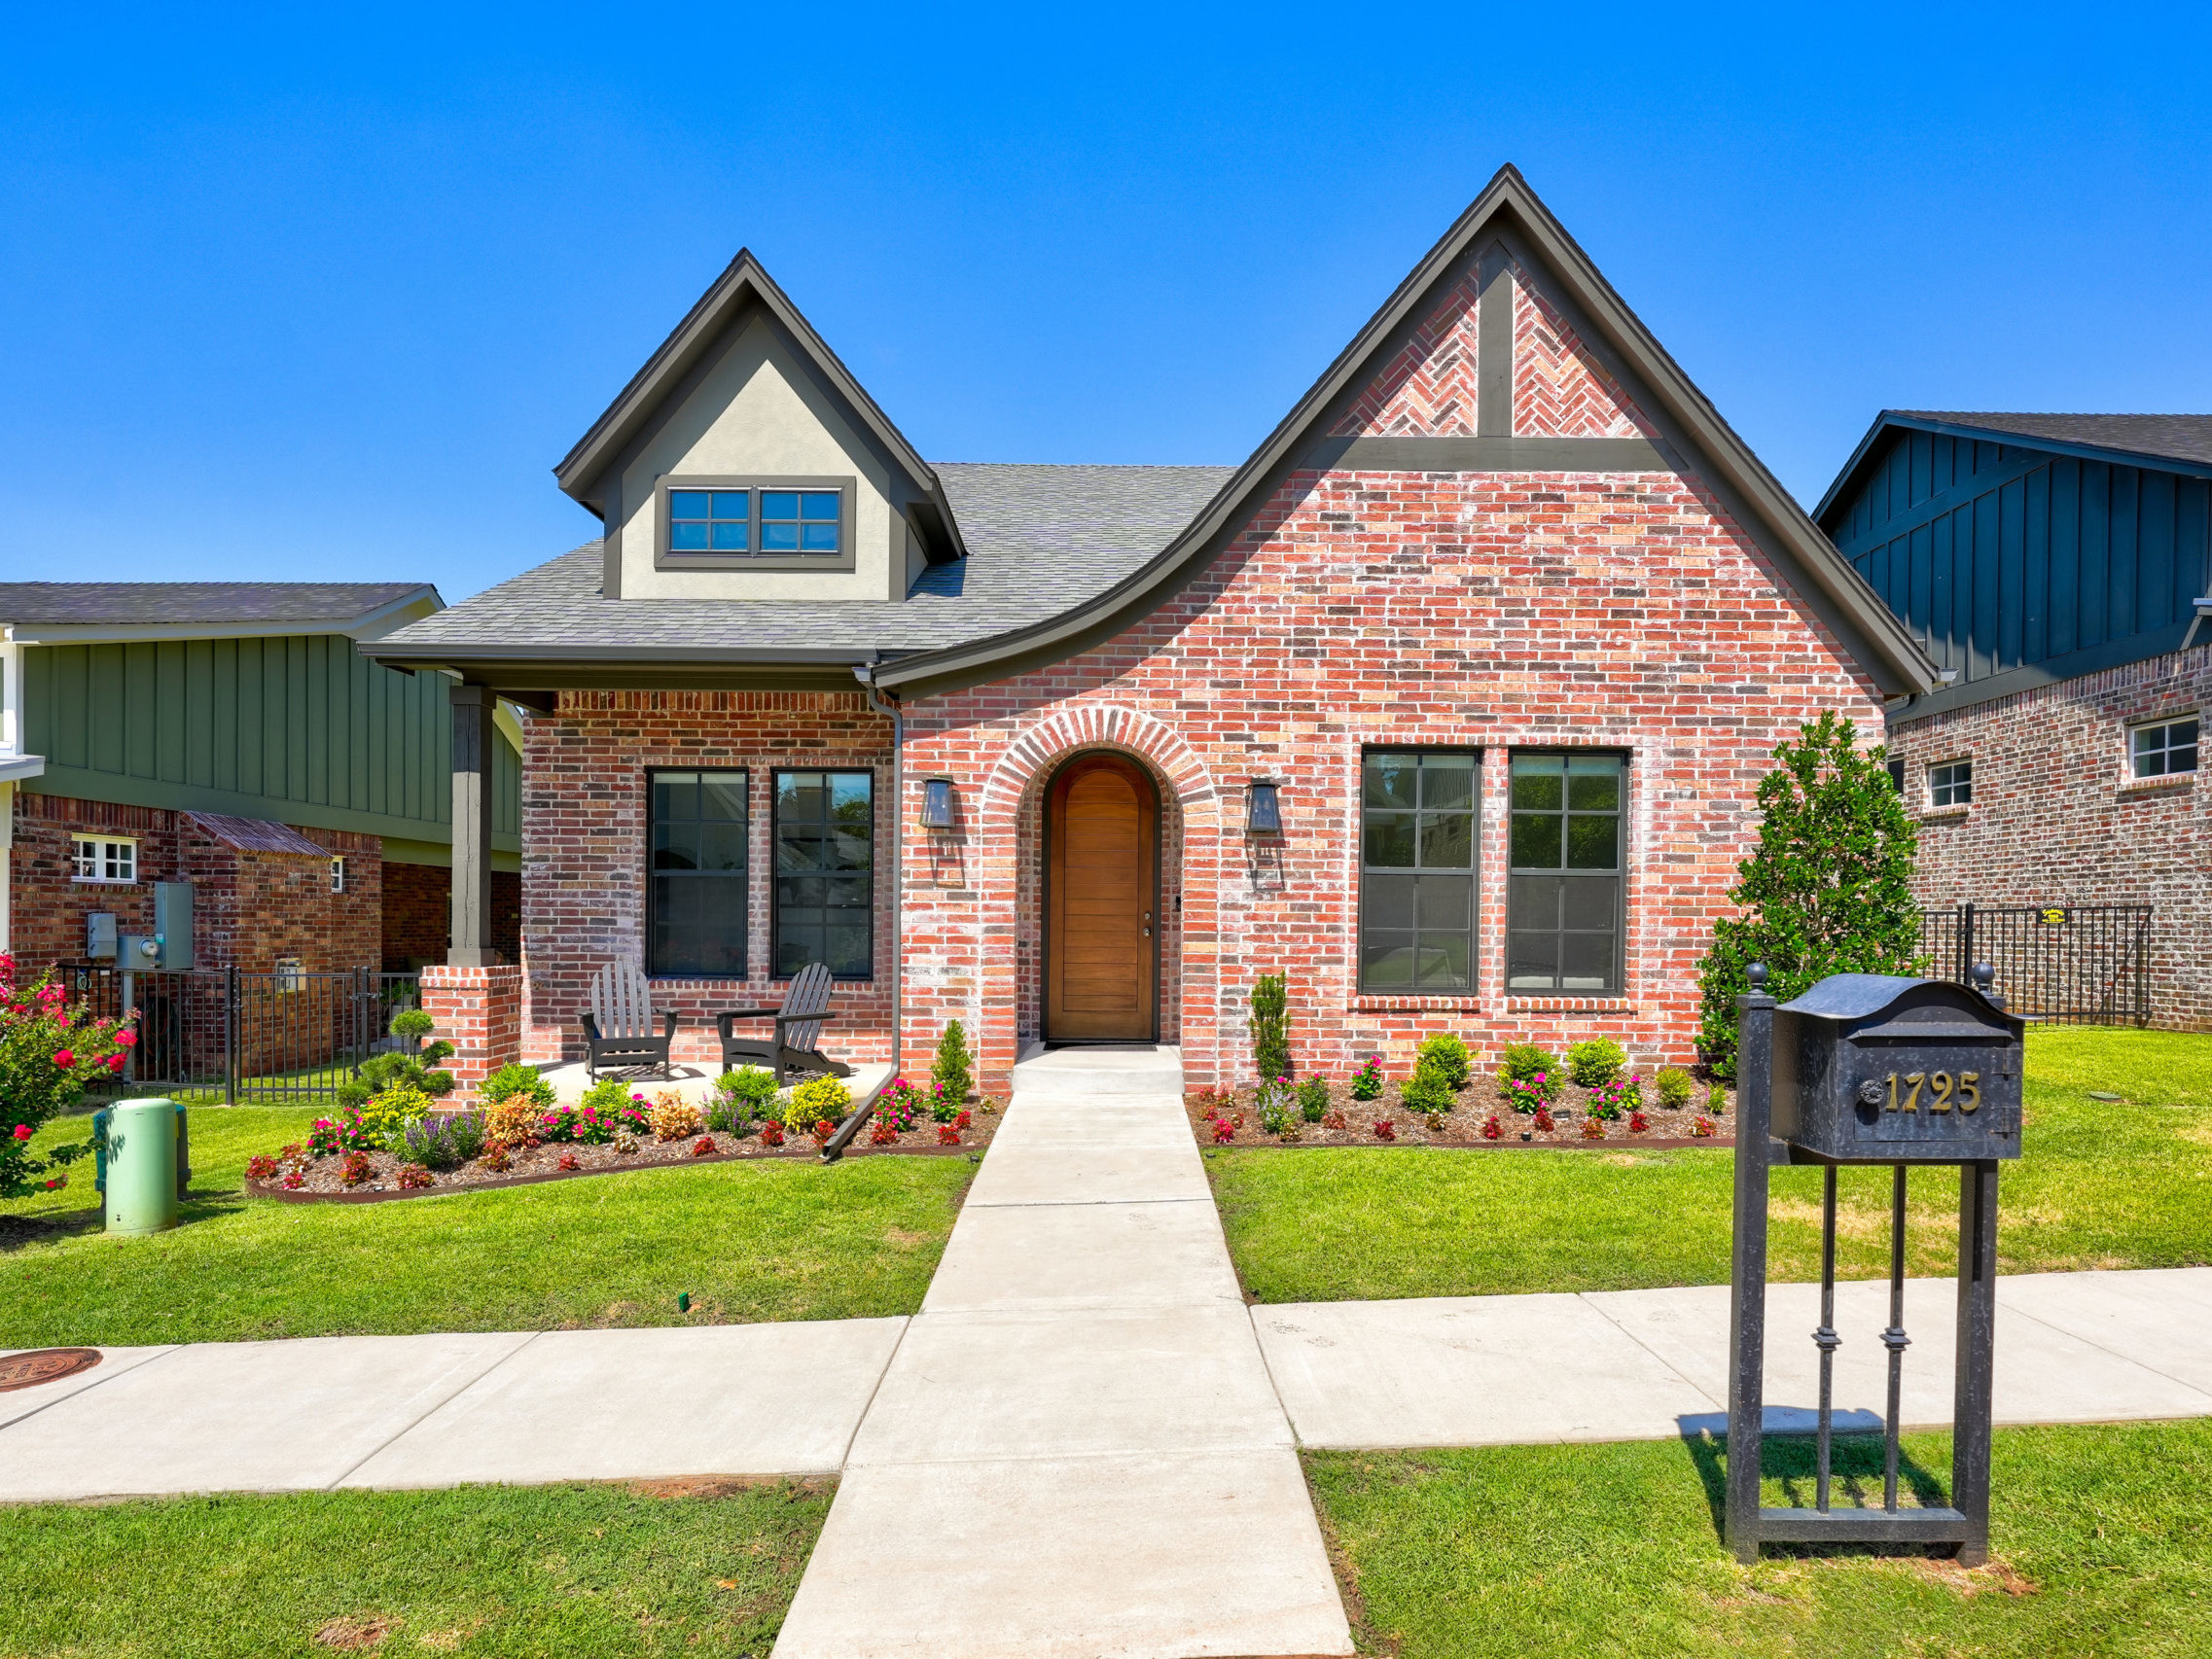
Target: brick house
2055 567
229 736
1448 702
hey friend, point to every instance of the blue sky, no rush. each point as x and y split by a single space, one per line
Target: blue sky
326 296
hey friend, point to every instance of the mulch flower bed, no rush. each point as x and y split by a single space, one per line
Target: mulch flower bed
1231 1119
302 1176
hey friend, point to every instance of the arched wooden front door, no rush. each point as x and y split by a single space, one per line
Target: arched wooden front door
1102 909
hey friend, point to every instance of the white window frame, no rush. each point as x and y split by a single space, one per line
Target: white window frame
1967 783
2134 756
338 873
100 864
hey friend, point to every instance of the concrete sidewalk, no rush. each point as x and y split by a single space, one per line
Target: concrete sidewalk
1075 1450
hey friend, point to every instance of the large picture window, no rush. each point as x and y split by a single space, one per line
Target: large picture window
825 872
1564 900
697 873
1417 811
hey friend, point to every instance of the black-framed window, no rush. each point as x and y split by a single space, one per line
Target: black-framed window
1951 783
740 522
1896 771
2169 746
1565 891
825 872
1418 810
696 873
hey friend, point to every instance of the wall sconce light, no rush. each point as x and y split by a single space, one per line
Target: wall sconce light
937 805
1262 808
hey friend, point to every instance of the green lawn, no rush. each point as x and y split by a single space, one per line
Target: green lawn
2102 1540
570 1570
2099 1185
784 1240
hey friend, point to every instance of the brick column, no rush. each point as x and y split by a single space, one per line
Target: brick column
479 1011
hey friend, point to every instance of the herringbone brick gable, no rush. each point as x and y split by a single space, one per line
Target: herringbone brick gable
1428 388
1559 389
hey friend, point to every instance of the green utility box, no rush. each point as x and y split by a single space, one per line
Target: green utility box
143 1164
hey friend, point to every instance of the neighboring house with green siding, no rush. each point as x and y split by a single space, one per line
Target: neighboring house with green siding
231 735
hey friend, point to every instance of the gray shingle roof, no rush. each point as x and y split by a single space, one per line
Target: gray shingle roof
1041 540
2176 436
94 603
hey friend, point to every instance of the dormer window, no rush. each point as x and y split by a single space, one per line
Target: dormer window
742 523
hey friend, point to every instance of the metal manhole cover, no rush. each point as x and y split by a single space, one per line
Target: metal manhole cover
45 1365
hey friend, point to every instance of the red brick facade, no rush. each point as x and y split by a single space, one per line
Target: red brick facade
583 852
419 915
2057 819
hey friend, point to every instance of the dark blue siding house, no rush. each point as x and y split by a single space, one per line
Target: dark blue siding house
2057 570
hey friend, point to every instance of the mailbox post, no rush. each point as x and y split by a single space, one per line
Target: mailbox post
1872 1069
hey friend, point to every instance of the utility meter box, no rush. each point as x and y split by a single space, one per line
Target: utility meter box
1876 1068
100 935
168 948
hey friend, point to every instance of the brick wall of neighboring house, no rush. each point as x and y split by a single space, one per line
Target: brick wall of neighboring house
418 914
584 813
48 904
2057 818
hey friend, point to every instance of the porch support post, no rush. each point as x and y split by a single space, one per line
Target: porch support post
472 738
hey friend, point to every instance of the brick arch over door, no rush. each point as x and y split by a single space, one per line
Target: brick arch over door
1012 879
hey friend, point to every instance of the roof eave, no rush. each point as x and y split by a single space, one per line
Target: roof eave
372 624
744 281
1907 666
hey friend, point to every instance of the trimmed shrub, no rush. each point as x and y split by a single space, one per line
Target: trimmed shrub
516 1078
512 1121
1428 1091
1524 1061
954 1070
1829 888
413 1025
673 1117
1674 1087
1595 1063
813 1101
609 1095
1447 1054
1271 1027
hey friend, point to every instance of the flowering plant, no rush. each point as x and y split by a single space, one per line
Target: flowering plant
947 1135
961 1121
944 1105
1526 1094
356 1169
895 1109
1610 1100
1702 1125
1593 1128
1491 1128
344 1134
1386 1130
1544 1124
883 1134
701 1147
772 1133
414 1177
48 1052
1636 1123
1224 1131
1366 1081
1273 1103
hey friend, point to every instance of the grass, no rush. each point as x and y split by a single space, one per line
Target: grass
783 1240
2102 1540
2099 1185
570 1570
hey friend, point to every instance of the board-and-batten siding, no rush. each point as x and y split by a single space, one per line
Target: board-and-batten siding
2003 556
302 729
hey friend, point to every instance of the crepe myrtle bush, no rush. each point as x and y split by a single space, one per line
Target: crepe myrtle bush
50 1051
1829 888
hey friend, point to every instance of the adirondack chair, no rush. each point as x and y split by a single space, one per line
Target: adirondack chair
618 1027
795 1047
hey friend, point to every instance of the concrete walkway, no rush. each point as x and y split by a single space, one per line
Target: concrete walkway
1075 1450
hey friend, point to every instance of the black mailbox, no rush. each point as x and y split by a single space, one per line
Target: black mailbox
1870 1067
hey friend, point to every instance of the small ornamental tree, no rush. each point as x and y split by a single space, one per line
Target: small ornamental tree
952 1071
1271 1027
48 1052
1829 889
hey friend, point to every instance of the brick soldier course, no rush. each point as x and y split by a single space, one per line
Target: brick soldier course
1504 521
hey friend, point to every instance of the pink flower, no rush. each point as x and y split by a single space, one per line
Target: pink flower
115 1062
23 1131
127 1038
65 1059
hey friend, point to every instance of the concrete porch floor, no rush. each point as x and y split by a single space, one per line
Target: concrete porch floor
693 1080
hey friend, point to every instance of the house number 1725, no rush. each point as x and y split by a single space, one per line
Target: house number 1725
1944 1091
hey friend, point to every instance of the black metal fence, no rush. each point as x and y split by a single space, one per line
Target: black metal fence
286 1035
2070 964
